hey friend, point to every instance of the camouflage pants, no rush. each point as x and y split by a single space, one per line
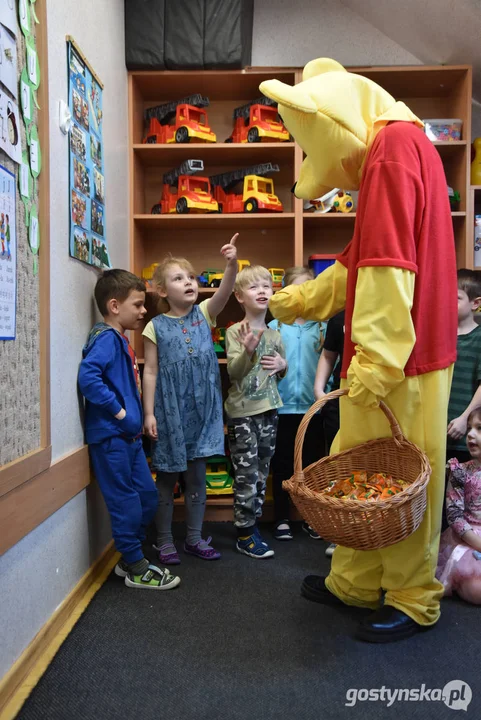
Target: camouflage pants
252 441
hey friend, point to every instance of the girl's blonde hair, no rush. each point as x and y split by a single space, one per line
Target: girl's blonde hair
160 275
249 274
294 272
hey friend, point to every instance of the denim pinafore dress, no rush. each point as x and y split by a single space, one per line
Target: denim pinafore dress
188 398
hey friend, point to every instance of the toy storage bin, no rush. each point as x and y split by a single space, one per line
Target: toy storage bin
358 524
443 129
318 263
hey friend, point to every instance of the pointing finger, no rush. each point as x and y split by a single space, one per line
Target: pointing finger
233 239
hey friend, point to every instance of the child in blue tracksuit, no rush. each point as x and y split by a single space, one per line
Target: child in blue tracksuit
303 342
109 380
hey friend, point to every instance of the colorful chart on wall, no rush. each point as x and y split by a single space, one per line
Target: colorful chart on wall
88 241
8 256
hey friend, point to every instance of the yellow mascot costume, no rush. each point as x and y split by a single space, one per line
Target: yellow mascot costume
397 282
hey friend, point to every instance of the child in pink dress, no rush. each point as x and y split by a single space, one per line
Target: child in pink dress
459 562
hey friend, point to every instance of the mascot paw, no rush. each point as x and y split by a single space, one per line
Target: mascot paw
360 395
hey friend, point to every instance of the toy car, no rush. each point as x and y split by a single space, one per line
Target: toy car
217 476
190 122
183 191
277 275
335 200
218 338
258 121
257 191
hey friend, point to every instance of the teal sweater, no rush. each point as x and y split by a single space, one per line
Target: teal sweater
301 343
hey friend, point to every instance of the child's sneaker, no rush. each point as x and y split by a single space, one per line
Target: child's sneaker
310 531
283 531
202 549
254 546
330 549
168 555
121 569
153 579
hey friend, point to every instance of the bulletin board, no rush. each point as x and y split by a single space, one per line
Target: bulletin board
88 241
21 429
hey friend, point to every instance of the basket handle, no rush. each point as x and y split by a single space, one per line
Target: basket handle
298 474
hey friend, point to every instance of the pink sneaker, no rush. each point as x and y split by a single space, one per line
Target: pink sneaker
202 549
168 555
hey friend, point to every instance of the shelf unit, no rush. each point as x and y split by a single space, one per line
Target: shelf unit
279 240
283 239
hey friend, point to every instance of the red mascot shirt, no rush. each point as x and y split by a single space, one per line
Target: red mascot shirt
403 220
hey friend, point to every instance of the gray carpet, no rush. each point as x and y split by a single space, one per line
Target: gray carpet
237 642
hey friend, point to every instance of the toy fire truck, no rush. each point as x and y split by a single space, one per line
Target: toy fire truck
190 121
256 122
257 192
183 191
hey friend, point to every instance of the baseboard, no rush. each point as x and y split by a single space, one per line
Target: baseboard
21 679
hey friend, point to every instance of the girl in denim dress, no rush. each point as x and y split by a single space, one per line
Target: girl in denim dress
182 396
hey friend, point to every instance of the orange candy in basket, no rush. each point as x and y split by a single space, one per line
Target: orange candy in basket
360 486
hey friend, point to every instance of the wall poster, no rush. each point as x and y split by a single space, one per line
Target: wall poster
8 256
88 241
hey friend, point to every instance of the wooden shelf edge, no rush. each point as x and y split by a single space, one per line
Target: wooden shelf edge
194 147
174 217
330 216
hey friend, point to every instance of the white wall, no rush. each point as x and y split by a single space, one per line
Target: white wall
290 33
59 552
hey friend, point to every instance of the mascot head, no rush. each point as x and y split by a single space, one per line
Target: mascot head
334 115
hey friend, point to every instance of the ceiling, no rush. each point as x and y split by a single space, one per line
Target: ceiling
435 31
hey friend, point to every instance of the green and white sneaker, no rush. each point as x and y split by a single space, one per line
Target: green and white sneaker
154 578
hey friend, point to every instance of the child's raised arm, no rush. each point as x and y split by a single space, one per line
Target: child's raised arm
149 382
219 299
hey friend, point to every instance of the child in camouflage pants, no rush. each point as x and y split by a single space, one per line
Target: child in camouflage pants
255 363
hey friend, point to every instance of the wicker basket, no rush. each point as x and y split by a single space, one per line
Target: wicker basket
358 524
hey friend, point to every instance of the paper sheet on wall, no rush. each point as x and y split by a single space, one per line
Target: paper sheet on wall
8 256
88 241
24 16
10 128
8 61
8 15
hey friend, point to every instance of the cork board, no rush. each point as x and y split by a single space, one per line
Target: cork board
20 408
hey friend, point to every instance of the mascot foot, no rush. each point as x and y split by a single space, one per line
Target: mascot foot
388 625
314 588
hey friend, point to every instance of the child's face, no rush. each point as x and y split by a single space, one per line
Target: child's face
181 287
466 307
131 311
473 438
255 297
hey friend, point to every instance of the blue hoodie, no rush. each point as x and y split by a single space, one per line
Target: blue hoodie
107 381
302 344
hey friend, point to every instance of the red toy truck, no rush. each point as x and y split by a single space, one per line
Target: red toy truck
189 122
183 191
256 122
257 193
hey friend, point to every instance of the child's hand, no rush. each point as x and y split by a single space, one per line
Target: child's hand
275 363
150 427
457 428
247 338
229 251
121 414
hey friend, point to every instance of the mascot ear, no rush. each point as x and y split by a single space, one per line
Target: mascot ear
321 66
290 96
